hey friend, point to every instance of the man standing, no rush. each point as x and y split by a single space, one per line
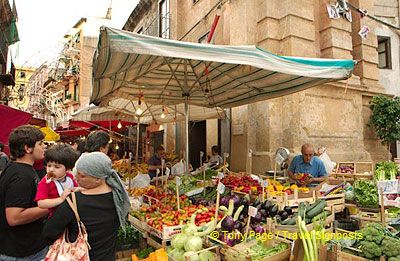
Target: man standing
155 161
308 163
3 158
20 218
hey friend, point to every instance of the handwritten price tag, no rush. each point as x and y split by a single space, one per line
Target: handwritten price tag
221 188
226 155
252 211
178 181
220 175
167 172
157 171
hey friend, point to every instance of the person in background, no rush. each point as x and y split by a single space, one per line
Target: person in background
308 163
98 141
155 161
215 158
21 220
3 158
79 146
58 182
103 207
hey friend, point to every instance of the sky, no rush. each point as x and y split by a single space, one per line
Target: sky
43 23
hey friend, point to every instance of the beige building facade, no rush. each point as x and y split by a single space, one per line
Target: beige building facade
333 115
19 96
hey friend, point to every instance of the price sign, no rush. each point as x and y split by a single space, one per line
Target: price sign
221 188
220 175
226 155
162 162
157 171
252 211
178 181
167 172
264 183
201 154
388 186
250 153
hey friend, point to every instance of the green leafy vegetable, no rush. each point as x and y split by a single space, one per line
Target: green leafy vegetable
366 193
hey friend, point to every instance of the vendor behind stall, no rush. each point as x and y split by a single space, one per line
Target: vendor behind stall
155 161
308 163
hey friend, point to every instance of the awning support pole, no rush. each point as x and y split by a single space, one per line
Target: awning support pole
137 142
187 132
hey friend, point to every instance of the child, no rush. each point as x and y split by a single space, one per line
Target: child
57 184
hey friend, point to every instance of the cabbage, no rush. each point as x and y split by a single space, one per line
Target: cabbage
177 254
178 241
349 195
192 256
189 229
194 244
206 256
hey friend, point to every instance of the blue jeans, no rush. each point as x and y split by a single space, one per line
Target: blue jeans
35 257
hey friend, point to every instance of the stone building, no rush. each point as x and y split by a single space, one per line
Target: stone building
333 115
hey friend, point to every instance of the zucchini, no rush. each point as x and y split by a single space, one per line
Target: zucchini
319 208
289 221
313 205
302 209
321 216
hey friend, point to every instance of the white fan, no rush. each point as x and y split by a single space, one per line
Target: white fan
281 155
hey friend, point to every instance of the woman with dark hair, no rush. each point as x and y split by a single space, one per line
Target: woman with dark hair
103 206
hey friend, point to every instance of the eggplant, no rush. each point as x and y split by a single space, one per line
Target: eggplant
257 218
288 210
259 207
273 211
267 205
284 215
256 203
228 223
238 225
263 213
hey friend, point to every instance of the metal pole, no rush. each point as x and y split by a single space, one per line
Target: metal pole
137 142
187 132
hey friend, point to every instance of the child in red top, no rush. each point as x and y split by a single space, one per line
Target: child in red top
57 184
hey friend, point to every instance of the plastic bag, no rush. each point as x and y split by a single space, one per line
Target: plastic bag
141 181
329 164
178 168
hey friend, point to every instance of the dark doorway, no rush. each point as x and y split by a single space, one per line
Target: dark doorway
197 142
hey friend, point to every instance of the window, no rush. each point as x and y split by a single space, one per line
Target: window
163 17
203 39
76 92
384 53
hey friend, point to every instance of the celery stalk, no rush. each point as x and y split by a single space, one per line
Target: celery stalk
314 242
303 239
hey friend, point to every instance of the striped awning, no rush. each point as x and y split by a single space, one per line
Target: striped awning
128 110
129 65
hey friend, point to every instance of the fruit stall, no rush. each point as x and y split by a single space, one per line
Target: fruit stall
238 216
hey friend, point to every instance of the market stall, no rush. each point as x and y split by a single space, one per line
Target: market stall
167 72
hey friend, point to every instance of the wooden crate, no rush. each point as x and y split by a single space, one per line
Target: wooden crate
236 253
363 167
294 199
335 202
336 254
124 255
344 164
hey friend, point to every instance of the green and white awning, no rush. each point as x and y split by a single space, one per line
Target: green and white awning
128 65
130 110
